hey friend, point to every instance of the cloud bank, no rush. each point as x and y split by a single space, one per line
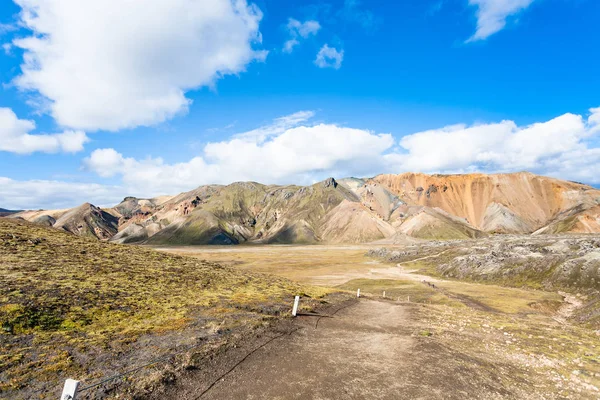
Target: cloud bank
292 150
53 194
563 147
279 153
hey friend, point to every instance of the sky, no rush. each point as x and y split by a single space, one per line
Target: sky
102 99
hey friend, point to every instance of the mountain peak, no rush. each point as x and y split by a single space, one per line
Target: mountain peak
329 182
355 211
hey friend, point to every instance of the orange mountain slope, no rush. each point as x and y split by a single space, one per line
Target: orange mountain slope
503 203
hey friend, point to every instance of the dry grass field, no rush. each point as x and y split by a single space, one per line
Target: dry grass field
521 330
75 307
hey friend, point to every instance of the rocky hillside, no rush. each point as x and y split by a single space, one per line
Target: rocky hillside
570 264
85 220
248 211
387 208
503 203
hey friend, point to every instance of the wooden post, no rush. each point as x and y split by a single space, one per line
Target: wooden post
70 390
295 309
358 293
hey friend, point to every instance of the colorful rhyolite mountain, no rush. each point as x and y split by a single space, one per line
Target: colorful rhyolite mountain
385 208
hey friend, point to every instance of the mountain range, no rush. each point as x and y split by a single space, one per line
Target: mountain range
4 212
386 208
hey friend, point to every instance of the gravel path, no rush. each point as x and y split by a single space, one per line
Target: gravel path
368 350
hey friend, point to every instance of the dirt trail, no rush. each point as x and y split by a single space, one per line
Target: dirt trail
410 273
368 350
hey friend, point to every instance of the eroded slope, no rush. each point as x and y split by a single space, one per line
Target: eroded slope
499 203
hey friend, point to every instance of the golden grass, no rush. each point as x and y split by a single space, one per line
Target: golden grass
61 294
551 351
399 290
316 265
347 268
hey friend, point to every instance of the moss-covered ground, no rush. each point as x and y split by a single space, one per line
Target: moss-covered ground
66 299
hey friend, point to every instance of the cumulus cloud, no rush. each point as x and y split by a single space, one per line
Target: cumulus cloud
298 30
560 147
105 162
136 72
292 150
329 57
15 137
279 153
594 120
492 15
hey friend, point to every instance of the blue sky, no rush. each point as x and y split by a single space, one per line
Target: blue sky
101 100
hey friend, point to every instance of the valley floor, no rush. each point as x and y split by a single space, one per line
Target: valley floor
454 340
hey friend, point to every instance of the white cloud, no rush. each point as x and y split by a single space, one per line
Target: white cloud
329 57
4 28
51 194
289 45
135 72
279 153
560 147
105 162
298 30
278 126
15 137
594 120
303 29
492 15
291 150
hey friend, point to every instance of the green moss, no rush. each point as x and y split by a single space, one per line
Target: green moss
16 318
65 292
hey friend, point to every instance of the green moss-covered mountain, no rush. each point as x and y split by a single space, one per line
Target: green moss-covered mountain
384 208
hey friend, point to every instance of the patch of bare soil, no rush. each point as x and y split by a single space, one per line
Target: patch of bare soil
570 305
369 349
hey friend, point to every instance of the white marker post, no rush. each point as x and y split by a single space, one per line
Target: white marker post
384 294
408 299
70 390
358 293
296 303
